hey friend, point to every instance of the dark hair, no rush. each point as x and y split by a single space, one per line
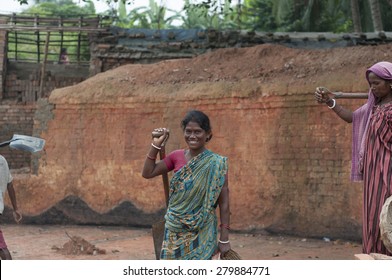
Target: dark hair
199 117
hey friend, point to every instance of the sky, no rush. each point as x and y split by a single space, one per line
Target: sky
10 6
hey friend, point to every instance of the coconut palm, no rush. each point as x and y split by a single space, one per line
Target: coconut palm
356 16
376 15
294 15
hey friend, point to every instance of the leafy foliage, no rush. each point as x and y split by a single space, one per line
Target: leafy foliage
25 2
301 16
263 15
205 15
152 17
63 8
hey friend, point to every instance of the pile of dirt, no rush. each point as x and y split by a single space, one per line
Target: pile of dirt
266 64
263 62
78 246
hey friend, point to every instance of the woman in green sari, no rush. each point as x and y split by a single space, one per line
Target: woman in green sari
198 186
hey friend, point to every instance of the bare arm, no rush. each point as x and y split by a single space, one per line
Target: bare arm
152 168
322 96
224 208
12 195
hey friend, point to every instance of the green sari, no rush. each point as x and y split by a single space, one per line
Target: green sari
191 221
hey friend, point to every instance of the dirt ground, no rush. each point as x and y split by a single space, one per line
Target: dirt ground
49 242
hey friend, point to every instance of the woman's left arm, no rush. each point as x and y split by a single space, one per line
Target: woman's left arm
224 208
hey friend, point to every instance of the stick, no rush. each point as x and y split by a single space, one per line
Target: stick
43 69
158 228
345 95
165 177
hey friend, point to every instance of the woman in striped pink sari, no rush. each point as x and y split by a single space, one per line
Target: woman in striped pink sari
371 150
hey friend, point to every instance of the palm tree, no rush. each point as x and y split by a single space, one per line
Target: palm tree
356 16
152 17
376 15
214 15
294 15
119 15
195 17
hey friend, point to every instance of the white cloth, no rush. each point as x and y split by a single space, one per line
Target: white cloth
5 178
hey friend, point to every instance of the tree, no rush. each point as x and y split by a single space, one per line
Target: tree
301 16
376 15
276 15
64 8
195 16
258 15
356 16
206 16
151 17
107 1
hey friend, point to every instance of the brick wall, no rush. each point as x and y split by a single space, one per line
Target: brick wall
16 119
23 80
289 158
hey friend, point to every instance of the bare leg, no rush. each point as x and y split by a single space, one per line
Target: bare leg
5 254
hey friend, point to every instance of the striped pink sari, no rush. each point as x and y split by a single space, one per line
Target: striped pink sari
372 150
377 176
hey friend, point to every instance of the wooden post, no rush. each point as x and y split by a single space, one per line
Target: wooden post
16 46
36 23
79 39
43 68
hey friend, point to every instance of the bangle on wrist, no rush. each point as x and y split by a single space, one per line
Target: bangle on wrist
223 242
155 146
150 157
333 105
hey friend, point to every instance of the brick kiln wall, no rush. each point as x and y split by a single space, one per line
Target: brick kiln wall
289 158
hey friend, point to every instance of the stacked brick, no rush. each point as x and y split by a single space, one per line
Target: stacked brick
16 119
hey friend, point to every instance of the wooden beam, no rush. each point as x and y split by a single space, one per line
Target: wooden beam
51 28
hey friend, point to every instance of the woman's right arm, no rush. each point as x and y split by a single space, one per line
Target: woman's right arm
11 193
322 96
152 168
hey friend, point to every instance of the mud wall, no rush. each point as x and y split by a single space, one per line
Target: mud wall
289 158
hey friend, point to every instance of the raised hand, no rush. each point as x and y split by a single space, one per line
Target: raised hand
160 136
322 94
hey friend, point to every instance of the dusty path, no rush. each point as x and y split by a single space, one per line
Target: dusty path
27 242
